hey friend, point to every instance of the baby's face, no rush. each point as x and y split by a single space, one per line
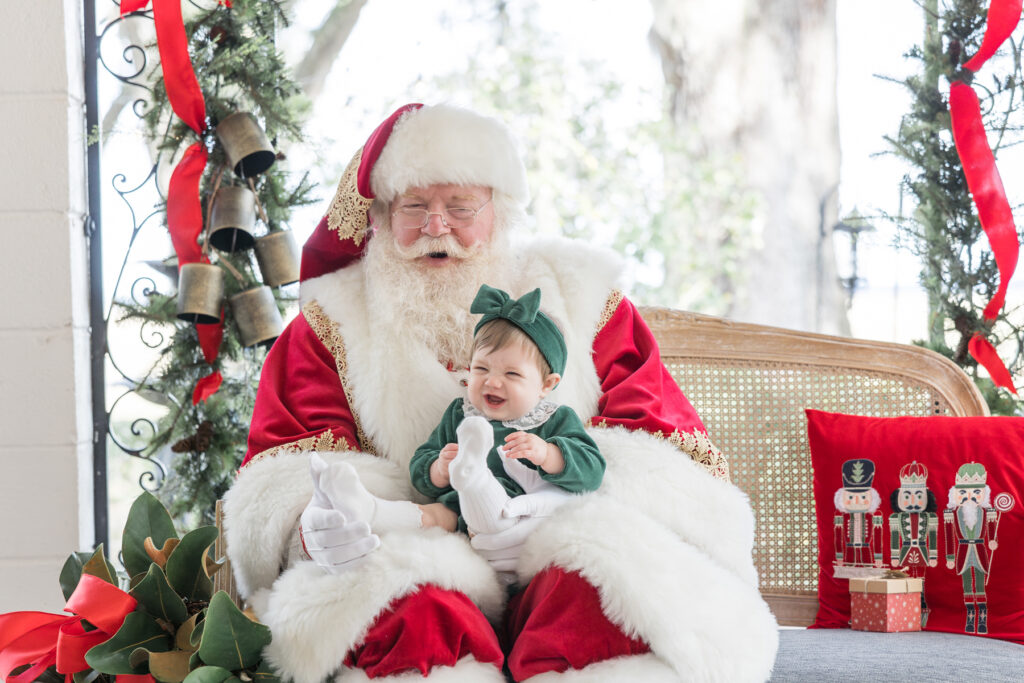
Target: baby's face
507 384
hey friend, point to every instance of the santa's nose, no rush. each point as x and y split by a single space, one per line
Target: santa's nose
435 226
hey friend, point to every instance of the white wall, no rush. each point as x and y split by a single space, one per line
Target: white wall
45 421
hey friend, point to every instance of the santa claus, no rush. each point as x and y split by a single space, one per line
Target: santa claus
648 578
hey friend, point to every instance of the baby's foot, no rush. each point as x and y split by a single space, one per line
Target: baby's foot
475 440
481 495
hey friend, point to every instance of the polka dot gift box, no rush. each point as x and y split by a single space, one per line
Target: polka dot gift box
888 604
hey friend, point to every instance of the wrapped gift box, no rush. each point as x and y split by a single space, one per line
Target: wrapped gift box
885 604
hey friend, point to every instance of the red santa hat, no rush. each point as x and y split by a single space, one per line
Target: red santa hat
416 146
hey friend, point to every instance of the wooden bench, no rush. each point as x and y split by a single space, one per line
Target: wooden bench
750 384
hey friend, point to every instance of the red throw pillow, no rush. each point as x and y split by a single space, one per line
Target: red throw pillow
927 492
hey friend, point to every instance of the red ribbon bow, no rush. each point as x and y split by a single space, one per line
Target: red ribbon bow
984 182
184 209
40 639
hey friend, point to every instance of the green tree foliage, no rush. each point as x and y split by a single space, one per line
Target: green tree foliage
959 272
606 164
238 69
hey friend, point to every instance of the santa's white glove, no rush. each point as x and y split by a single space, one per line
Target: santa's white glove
502 549
333 535
543 503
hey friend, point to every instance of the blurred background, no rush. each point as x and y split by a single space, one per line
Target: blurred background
771 162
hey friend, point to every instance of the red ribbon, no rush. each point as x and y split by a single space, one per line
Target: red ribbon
984 182
41 640
184 209
1002 18
206 387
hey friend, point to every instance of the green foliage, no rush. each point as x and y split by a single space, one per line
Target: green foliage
959 273
639 185
179 630
138 632
185 569
238 69
155 594
147 518
231 640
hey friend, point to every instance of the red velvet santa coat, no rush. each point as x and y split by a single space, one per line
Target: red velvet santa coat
344 379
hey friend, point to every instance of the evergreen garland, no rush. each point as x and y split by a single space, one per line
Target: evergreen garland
238 68
959 272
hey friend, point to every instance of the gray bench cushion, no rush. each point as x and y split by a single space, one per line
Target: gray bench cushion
844 655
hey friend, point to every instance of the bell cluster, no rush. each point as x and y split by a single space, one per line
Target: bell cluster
231 229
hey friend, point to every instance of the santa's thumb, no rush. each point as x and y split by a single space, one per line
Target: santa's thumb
317 467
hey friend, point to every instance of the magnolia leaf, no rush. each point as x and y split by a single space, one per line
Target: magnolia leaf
155 594
183 637
197 633
169 667
138 657
210 674
213 566
186 570
86 676
98 566
71 573
264 674
159 555
138 631
231 639
147 518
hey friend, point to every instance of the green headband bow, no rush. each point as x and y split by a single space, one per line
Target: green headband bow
525 314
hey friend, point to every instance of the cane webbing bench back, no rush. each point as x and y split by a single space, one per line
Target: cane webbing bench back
750 384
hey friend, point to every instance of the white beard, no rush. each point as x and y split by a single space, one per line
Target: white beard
970 513
432 304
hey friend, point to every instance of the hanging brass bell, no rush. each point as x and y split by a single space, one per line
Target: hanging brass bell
233 219
200 293
245 144
255 311
278 256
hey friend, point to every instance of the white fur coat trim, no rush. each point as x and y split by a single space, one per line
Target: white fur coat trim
262 509
668 548
400 389
466 670
641 668
316 618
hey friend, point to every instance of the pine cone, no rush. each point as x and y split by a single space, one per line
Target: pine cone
198 442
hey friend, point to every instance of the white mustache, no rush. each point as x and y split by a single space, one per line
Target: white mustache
426 245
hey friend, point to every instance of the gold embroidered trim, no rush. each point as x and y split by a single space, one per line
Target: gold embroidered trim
347 214
610 306
697 445
323 442
328 334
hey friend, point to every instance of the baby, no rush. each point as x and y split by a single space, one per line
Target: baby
518 356
546 455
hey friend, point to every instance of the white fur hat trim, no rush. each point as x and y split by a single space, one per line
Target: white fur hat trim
443 144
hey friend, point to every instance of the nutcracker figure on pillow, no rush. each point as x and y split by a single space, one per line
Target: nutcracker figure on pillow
914 526
857 529
971 527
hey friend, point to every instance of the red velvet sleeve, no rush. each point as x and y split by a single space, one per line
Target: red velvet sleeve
300 401
637 390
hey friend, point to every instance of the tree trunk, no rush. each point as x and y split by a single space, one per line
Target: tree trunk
757 81
328 40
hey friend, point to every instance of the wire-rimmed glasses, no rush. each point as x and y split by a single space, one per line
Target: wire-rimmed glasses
453 217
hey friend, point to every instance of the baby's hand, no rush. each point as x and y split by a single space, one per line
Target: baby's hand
439 475
531 447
